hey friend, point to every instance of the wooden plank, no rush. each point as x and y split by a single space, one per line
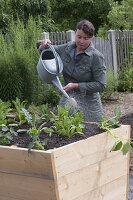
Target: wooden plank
86 152
112 168
77 169
78 164
81 168
93 195
115 190
7 198
26 188
18 160
79 182
91 177
112 191
56 183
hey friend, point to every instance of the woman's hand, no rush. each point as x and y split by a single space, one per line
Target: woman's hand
44 43
71 86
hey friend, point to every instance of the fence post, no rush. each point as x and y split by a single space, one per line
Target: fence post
112 39
45 35
70 35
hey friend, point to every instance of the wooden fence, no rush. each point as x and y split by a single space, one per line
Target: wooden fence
124 46
117 48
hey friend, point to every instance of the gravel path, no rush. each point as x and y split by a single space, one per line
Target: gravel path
130 194
125 102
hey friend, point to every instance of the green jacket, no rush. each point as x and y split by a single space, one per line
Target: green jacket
88 69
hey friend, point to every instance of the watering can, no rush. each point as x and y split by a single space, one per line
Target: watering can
49 66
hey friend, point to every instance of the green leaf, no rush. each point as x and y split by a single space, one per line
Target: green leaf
81 133
4 141
12 132
126 148
38 145
8 136
33 131
5 128
48 130
117 111
117 146
30 146
28 116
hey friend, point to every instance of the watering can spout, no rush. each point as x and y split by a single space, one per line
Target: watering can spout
70 101
58 84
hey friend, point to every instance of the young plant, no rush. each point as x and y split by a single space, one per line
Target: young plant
35 130
40 110
108 124
6 135
65 123
4 110
20 117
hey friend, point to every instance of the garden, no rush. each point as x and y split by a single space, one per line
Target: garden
43 128
44 152
47 152
26 101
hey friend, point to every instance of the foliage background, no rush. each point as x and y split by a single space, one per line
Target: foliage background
21 25
58 14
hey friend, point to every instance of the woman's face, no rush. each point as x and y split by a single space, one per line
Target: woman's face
82 40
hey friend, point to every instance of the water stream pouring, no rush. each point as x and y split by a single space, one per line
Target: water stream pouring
49 67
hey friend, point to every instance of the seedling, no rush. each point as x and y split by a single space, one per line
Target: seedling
20 117
35 130
6 135
65 123
4 110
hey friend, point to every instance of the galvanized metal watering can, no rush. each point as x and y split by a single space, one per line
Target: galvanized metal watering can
49 66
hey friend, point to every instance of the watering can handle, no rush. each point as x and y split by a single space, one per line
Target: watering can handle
55 55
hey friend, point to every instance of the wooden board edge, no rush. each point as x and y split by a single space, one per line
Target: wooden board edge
55 176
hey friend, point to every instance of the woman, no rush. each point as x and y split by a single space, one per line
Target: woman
84 71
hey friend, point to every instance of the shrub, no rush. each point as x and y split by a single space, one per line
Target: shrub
24 9
18 59
112 83
125 82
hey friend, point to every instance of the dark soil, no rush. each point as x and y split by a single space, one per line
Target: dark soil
55 141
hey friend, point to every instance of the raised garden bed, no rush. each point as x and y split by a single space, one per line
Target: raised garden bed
82 170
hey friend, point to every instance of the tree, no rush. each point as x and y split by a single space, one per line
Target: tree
121 15
67 13
23 9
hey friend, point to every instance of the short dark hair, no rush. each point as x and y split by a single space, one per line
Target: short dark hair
87 27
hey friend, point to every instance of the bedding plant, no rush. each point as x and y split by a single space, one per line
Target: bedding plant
43 128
